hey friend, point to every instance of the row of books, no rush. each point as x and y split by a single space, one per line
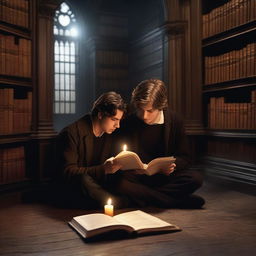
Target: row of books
15 54
231 65
238 150
12 165
230 15
222 115
15 12
15 113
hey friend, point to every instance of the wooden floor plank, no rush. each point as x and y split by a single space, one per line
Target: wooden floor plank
226 226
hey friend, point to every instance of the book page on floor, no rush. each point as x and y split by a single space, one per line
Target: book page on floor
138 222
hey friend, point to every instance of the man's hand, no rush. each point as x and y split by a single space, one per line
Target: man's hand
110 166
168 170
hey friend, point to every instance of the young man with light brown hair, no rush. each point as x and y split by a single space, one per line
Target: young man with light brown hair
152 131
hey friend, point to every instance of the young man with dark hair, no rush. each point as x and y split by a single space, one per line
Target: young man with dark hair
84 147
153 131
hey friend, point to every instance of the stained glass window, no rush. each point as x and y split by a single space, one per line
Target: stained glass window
65 60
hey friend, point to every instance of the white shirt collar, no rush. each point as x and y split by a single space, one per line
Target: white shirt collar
159 118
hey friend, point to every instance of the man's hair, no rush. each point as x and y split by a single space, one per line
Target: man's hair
150 91
108 104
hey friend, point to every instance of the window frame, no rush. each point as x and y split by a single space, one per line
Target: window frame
65 61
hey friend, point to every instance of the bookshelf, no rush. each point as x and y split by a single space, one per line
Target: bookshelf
112 70
229 87
16 90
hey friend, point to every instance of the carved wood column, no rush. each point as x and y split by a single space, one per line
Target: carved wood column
193 68
44 135
45 74
182 64
174 64
182 67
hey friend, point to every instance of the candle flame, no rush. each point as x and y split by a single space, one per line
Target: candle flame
124 147
109 201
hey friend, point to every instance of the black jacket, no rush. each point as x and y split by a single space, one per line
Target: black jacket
76 151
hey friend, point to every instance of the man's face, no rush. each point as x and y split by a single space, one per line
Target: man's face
110 123
147 113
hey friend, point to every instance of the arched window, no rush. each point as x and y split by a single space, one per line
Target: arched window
65 60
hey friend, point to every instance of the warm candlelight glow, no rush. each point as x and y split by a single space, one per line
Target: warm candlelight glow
124 147
109 208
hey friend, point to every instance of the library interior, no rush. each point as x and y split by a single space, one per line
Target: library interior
58 57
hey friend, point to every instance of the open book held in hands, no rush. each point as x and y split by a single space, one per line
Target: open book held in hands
130 160
137 222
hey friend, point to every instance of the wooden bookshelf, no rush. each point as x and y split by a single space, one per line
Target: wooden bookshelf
15 82
230 34
16 13
229 84
15 138
232 134
16 90
111 69
226 16
7 28
16 55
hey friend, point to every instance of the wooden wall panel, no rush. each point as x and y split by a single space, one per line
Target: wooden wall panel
147 58
108 50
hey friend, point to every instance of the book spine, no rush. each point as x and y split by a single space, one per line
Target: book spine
29 111
222 116
10 110
2 106
12 165
5 166
212 121
253 108
238 64
5 111
15 12
1 166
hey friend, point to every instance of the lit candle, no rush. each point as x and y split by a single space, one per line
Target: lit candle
109 208
124 147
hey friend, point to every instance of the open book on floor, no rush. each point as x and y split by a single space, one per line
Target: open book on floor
137 222
130 160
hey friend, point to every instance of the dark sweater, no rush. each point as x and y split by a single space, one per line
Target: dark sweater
150 141
173 134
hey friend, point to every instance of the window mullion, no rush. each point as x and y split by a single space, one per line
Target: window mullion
65 57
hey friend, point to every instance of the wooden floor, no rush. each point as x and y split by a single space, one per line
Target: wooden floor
226 226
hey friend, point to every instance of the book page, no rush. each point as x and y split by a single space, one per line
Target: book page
95 221
156 164
144 222
94 224
129 160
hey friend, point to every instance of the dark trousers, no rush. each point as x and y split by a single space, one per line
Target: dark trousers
158 190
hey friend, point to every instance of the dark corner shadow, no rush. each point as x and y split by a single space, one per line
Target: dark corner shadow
53 204
222 183
60 207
